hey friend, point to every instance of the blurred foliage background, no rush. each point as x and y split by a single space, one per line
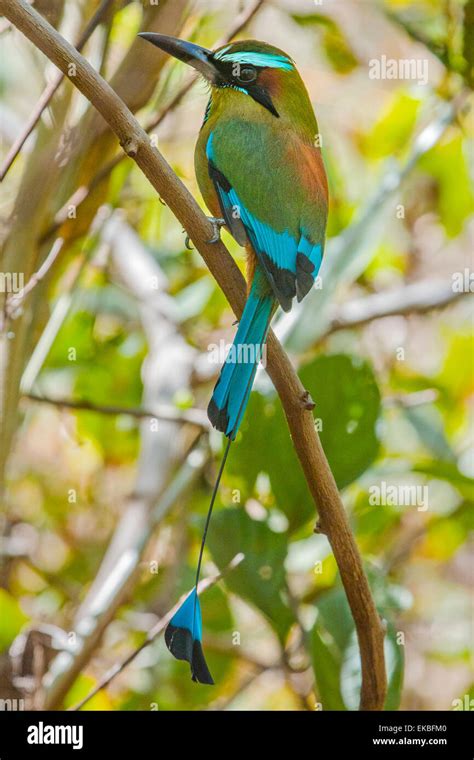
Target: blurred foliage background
125 318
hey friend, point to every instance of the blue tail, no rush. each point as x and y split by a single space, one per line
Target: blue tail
228 402
183 637
183 634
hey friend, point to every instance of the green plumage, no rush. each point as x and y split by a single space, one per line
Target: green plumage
272 163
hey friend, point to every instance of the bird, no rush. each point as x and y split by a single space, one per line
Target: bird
260 170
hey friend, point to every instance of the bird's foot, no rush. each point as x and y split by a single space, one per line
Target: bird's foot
217 223
187 242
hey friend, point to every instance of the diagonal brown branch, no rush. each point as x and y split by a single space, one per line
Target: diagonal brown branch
333 520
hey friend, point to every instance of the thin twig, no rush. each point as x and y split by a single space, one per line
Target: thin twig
49 91
16 301
300 419
162 412
157 629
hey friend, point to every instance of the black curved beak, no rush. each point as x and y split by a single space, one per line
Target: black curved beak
196 56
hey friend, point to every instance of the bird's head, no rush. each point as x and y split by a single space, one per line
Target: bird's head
260 71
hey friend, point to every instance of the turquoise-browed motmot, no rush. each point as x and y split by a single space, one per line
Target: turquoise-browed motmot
261 174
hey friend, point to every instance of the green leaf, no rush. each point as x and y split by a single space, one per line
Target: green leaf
312 19
326 660
447 164
265 446
80 689
443 470
348 404
395 665
334 42
260 578
393 130
191 300
337 664
335 615
351 675
347 401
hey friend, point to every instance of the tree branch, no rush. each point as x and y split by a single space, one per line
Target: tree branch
439 49
16 301
322 485
414 298
160 412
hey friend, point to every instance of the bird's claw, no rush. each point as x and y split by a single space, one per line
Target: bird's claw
217 223
187 243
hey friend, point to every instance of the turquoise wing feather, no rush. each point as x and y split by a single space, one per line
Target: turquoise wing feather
289 256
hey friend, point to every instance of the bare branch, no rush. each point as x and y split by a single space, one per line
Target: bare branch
161 412
439 49
15 302
414 298
320 480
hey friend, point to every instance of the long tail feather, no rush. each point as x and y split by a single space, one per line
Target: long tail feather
183 634
211 506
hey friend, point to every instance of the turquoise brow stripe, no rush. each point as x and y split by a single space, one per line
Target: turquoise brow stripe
268 60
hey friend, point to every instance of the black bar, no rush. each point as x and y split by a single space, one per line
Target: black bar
393 734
